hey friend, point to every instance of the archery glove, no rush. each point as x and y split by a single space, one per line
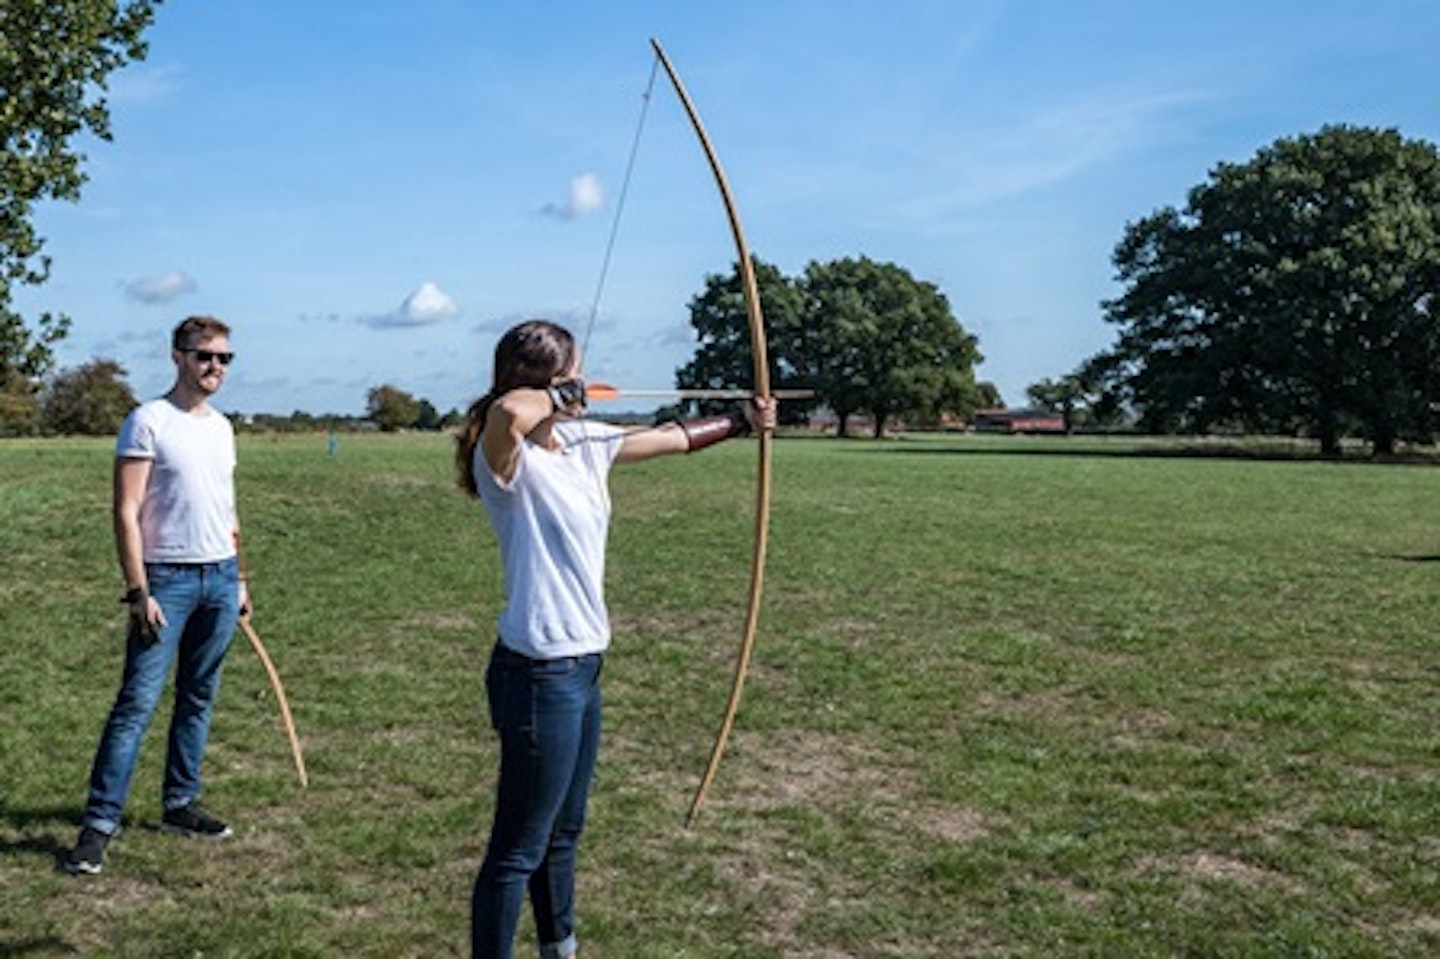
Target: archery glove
568 396
142 630
139 628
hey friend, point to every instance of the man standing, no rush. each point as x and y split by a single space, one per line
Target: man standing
178 538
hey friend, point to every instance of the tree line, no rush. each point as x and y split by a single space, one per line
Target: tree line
92 399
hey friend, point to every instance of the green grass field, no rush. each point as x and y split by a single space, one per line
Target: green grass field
1011 697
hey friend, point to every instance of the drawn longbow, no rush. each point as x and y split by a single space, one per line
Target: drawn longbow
751 291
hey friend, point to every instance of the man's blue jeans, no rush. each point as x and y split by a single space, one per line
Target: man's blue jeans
547 713
201 602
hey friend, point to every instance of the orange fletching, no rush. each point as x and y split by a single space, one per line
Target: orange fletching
601 391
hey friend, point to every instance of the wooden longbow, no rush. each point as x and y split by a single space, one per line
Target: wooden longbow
280 698
751 290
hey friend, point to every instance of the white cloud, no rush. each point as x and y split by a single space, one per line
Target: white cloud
160 289
587 194
427 305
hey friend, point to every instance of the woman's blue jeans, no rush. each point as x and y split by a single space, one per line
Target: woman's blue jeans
547 714
201 602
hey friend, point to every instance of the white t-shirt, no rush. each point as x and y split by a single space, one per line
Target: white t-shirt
188 514
551 522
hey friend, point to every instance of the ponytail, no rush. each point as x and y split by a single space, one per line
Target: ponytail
465 442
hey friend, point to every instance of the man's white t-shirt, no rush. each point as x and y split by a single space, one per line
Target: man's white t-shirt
188 514
551 522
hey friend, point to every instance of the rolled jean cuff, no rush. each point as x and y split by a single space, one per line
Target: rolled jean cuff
108 827
563 949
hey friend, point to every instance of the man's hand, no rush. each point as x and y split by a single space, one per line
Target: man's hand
142 631
145 617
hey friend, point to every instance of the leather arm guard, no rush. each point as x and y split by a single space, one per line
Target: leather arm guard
709 430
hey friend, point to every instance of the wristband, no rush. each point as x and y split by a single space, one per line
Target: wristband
133 595
709 430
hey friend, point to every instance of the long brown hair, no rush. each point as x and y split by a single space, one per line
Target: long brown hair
530 354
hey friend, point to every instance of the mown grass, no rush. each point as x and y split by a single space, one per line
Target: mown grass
1012 697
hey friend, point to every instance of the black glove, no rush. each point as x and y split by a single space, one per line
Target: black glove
143 631
568 396
140 628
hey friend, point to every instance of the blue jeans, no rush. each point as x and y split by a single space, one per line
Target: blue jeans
201 602
547 714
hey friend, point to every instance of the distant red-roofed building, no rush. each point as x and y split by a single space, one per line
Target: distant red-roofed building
1017 421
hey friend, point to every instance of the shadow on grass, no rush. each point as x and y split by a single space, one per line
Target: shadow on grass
43 945
37 834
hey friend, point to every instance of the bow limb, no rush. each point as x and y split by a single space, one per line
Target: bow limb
751 290
280 698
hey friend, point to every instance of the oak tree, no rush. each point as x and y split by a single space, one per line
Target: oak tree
1296 292
56 57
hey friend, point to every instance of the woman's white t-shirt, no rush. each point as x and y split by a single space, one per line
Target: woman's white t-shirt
551 521
188 513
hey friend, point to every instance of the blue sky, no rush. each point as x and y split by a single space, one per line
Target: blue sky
370 192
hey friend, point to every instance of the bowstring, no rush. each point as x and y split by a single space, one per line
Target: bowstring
587 441
619 209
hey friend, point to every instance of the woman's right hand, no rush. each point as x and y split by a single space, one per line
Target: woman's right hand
568 396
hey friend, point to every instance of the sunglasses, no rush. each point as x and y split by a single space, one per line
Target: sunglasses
205 356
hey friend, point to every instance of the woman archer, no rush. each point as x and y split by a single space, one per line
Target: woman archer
541 475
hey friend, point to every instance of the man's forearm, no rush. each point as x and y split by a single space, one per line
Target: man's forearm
131 477
130 553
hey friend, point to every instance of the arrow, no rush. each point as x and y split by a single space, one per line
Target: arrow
599 392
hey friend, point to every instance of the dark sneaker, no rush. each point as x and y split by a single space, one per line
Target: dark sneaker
88 856
191 820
